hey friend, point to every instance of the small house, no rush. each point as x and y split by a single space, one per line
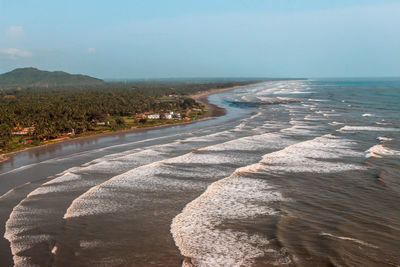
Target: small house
154 116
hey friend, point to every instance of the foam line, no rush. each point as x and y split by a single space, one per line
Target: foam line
197 230
28 216
310 156
357 241
79 154
367 128
379 151
268 140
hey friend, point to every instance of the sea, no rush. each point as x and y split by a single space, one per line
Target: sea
297 173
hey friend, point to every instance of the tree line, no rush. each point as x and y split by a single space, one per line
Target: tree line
57 111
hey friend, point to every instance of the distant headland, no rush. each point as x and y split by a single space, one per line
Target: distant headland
23 77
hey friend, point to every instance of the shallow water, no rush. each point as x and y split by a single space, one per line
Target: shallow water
297 173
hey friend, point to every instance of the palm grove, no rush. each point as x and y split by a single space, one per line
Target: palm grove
57 111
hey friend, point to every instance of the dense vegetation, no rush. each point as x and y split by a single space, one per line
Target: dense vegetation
57 111
31 76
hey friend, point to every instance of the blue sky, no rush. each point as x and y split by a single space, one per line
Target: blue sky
219 38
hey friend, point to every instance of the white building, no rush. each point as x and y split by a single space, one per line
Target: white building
153 116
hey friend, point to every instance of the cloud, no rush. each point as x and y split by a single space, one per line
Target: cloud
15 53
91 50
15 32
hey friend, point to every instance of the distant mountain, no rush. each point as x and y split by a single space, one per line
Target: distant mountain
24 77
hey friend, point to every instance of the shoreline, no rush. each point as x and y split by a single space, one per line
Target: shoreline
202 97
213 110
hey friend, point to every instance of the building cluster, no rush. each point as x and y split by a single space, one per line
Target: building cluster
23 131
157 116
27 132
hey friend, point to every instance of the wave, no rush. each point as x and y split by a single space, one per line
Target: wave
201 156
313 118
182 174
28 215
334 123
367 128
384 139
71 156
33 212
200 232
368 115
379 151
20 168
312 156
254 101
357 241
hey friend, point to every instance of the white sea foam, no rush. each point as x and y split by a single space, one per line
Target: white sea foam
197 230
300 129
28 216
20 168
368 128
284 88
96 200
368 115
89 244
240 127
335 123
383 122
310 117
357 241
255 115
66 182
21 244
379 151
310 156
253 143
384 139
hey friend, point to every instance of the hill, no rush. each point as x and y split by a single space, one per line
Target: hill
24 77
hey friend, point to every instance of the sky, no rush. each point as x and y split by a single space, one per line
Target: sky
210 38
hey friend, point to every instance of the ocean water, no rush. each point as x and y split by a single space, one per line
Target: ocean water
298 173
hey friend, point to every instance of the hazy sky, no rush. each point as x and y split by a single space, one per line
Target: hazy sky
207 38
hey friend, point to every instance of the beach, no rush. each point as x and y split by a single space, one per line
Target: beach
311 182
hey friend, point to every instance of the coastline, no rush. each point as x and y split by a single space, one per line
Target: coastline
213 110
202 97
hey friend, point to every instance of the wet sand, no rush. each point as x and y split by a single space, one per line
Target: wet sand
3 158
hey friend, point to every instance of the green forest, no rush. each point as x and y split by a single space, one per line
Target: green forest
53 112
